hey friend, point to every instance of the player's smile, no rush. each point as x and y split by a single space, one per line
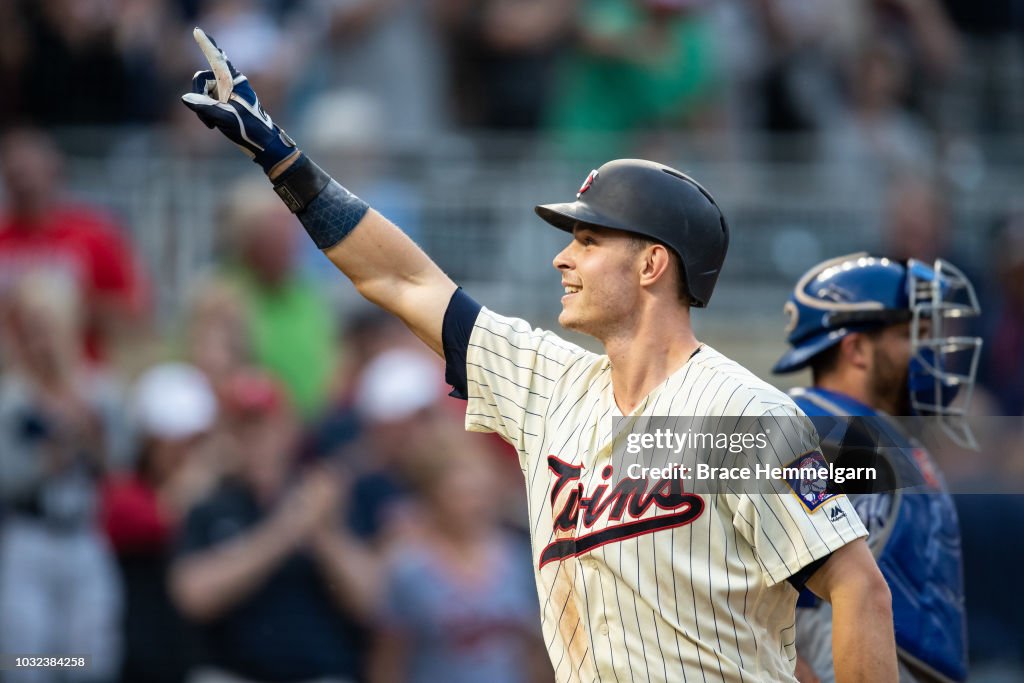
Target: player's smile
595 266
566 261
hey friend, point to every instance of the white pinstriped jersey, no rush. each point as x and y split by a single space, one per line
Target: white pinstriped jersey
704 598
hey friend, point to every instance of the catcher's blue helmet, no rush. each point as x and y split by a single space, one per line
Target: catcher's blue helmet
851 293
860 292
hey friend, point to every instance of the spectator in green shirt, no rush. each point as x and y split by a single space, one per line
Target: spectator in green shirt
291 331
639 64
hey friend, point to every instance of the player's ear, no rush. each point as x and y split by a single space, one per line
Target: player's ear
855 349
654 264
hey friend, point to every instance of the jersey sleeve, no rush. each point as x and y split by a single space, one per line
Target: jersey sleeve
791 522
459 320
512 372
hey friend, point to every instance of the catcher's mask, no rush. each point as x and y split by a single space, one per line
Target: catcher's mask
860 292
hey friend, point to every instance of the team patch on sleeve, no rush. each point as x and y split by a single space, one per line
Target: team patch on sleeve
808 477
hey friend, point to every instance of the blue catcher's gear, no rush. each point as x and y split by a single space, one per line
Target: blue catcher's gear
860 292
915 537
222 98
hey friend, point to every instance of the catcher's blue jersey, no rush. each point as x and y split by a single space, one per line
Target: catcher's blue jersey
915 538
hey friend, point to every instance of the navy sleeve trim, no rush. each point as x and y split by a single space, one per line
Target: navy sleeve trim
459 319
800 578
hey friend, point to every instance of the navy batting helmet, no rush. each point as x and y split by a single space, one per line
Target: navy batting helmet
655 201
860 292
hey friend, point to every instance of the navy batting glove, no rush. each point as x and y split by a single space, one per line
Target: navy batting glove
223 99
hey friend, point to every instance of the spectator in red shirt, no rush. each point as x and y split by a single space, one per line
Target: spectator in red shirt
41 230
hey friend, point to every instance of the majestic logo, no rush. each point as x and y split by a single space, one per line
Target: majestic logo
587 183
625 504
836 514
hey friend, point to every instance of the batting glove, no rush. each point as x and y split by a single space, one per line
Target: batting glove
223 99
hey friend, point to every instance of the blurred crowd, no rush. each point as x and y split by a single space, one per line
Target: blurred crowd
276 490
282 495
897 78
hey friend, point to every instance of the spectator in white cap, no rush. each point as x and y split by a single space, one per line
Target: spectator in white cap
398 384
397 401
175 411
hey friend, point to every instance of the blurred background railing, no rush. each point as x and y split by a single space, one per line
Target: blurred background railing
467 200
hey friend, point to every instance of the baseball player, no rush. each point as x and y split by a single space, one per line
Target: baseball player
872 331
637 580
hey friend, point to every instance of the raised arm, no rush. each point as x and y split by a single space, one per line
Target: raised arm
385 265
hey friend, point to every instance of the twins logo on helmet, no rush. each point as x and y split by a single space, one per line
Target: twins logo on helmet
587 183
658 202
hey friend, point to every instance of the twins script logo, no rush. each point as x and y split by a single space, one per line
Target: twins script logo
625 504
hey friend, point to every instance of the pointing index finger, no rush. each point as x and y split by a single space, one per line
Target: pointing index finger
218 63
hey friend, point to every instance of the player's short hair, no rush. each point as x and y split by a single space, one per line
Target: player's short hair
827 361
640 242
824 363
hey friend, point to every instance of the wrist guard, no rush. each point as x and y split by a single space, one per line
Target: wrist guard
327 210
300 184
